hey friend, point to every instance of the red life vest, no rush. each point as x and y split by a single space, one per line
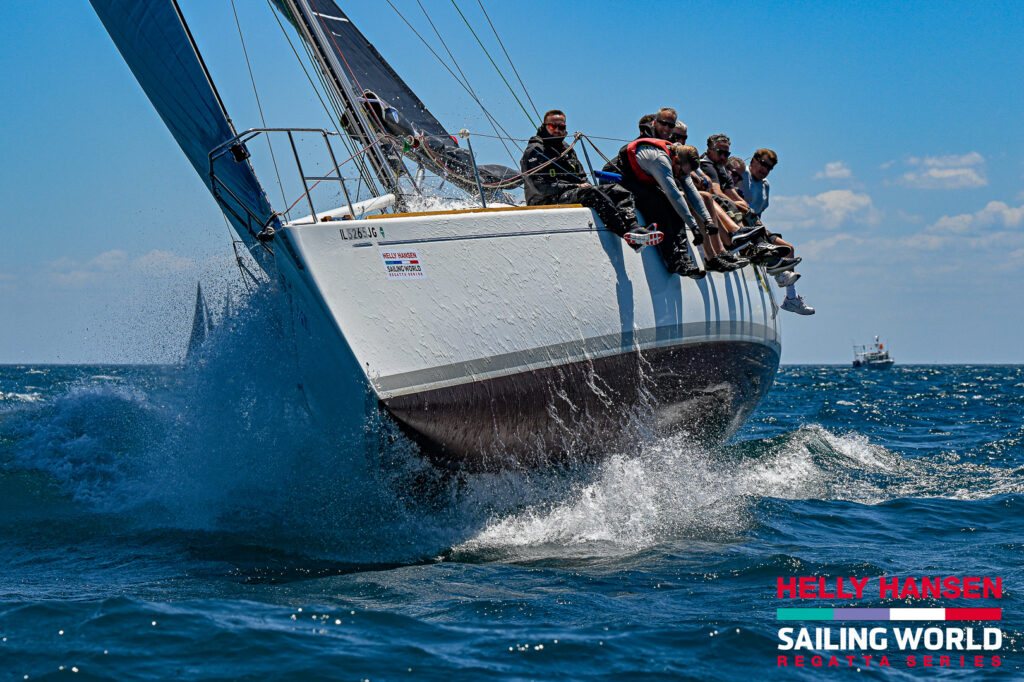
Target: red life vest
631 153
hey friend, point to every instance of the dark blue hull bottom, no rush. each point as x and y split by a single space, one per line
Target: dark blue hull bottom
536 417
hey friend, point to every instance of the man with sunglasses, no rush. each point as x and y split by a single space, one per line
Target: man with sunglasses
754 185
659 126
554 175
712 164
735 166
663 125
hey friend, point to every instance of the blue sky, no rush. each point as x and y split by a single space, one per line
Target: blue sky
898 126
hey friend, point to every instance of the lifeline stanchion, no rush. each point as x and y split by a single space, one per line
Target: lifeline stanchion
587 157
464 134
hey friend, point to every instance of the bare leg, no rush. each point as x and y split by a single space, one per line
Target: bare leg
723 222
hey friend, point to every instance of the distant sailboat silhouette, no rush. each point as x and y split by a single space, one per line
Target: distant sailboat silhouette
201 324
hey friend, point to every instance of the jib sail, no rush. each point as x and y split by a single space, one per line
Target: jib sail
156 46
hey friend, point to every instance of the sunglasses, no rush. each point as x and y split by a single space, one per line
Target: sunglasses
670 124
555 126
675 137
769 166
722 152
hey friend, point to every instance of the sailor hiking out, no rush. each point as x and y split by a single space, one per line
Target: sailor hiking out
658 174
562 181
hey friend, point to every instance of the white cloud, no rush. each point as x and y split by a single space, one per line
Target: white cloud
943 178
816 248
952 171
908 217
828 210
924 242
948 161
834 170
112 264
996 214
162 262
108 261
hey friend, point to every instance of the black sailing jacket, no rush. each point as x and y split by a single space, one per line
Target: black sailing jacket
564 174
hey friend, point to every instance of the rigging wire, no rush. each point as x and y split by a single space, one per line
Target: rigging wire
518 101
303 66
469 87
242 269
338 169
359 155
365 172
350 145
259 106
448 68
596 148
333 117
395 148
331 95
525 91
504 183
513 181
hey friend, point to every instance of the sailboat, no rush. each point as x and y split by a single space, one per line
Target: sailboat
201 325
492 334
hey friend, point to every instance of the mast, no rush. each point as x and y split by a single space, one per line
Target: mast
355 121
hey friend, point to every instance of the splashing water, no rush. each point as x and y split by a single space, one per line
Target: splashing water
225 445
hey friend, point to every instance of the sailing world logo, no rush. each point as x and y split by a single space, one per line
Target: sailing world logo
934 643
402 264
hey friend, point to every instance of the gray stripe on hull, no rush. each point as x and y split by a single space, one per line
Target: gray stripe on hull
463 237
554 355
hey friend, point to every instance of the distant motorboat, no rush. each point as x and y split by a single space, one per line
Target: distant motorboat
874 356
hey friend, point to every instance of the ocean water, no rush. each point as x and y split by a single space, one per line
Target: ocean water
189 522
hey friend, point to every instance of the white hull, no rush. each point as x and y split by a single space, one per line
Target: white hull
518 320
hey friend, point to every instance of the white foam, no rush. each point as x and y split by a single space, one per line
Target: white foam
21 397
673 490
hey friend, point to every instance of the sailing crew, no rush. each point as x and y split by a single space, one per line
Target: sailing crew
658 174
754 185
726 204
554 175
712 164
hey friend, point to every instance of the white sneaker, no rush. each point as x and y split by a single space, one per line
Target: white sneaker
644 236
785 279
797 305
